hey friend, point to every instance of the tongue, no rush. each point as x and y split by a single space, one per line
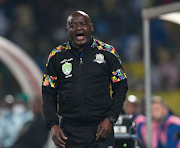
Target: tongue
80 37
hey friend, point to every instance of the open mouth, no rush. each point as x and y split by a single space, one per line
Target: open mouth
80 36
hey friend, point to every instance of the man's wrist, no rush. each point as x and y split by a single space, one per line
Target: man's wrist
53 126
111 119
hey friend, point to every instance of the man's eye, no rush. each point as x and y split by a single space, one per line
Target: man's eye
84 24
72 26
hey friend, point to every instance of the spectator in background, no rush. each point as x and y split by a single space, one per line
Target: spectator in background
5 117
131 108
165 69
7 106
13 118
34 133
167 125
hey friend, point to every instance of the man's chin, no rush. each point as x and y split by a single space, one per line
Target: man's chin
81 43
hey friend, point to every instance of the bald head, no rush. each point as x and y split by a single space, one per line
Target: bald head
69 19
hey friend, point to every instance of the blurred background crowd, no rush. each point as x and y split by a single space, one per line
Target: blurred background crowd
37 26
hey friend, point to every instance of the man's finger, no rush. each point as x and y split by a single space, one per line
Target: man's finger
59 140
97 134
56 142
98 129
106 134
100 133
63 135
103 135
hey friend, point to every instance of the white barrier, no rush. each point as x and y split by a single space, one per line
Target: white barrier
22 66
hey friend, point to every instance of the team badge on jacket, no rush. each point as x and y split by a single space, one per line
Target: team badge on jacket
99 58
67 68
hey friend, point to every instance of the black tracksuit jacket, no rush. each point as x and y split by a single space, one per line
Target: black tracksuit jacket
80 84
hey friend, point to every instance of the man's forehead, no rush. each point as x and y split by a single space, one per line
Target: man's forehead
77 16
80 18
157 104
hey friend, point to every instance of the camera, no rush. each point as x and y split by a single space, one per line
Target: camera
125 136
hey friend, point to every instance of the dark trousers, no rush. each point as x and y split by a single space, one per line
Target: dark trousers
85 137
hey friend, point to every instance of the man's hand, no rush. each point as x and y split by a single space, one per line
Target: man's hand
57 134
104 129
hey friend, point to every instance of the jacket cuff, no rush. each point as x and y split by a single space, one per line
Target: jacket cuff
51 125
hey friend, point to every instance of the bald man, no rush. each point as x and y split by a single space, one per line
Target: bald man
77 77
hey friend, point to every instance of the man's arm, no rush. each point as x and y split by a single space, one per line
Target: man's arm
50 107
171 136
119 95
49 94
52 120
119 88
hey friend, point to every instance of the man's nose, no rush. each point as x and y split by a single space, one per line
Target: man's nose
79 26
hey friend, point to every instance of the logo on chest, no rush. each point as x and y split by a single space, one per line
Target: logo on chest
67 68
99 58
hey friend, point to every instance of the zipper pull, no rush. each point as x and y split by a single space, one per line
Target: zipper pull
81 62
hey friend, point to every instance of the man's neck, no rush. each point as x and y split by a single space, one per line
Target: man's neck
80 48
161 121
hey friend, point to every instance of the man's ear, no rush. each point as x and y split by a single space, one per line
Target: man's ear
92 27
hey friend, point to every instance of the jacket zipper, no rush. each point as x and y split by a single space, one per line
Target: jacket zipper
81 62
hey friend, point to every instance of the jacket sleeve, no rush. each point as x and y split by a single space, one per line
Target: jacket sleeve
119 85
49 93
171 136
